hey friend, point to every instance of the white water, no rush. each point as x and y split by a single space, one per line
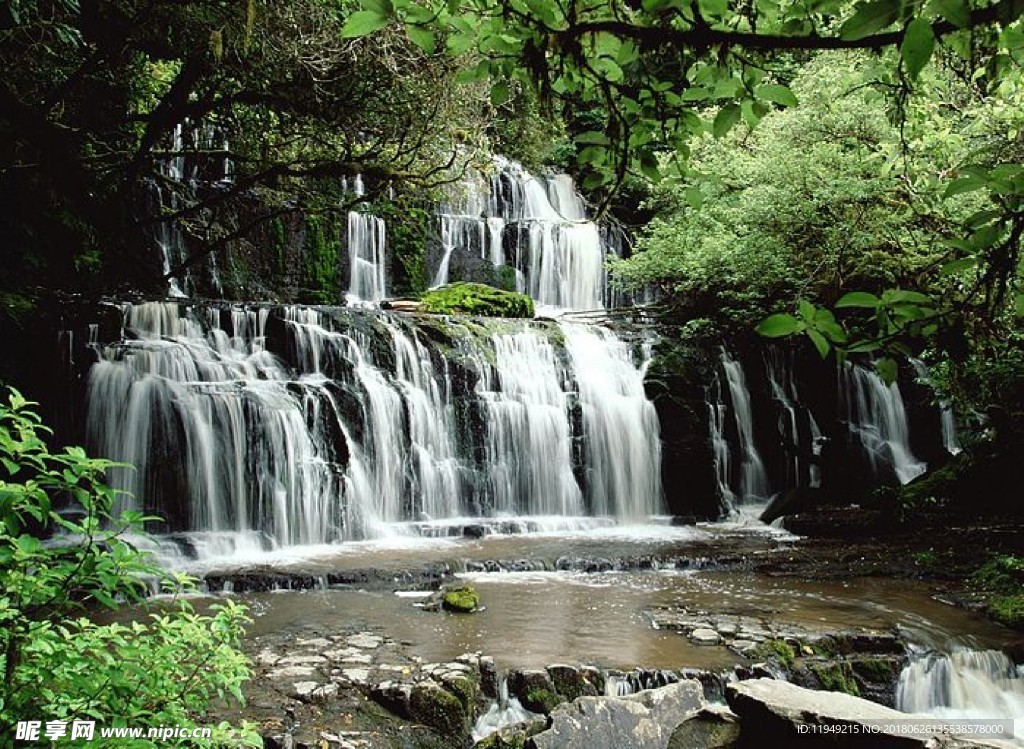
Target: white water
980 684
753 479
360 436
366 247
505 711
559 254
623 450
877 418
947 417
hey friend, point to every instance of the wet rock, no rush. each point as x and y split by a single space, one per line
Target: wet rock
365 640
534 690
779 713
570 682
488 677
394 697
436 707
291 672
714 727
704 636
641 721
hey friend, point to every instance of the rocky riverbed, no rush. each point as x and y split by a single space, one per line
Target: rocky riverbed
340 678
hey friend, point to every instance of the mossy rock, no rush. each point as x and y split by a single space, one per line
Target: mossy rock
437 708
541 701
476 299
1008 610
777 650
836 677
463 599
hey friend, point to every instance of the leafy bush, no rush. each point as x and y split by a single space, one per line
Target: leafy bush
63 554
476 299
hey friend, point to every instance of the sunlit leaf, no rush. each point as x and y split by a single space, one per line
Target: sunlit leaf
778 325
918 45
362 23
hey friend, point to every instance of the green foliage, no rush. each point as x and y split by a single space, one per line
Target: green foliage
1001 578
476 299
321 251
56 663
836 677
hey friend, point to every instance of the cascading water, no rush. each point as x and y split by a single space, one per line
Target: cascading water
797 425
947 418
260 427
620 426
965 683
191 161
367 244
751 483
877 419
558 254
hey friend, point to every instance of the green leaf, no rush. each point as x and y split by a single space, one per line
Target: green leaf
1018 305
592 137
954 267
858 299
964 184
716 8
362 23
918 45
422 38
819 342
694 197
806 310
380 7
727 116
900 296
779 325
870 18
499 93
954 11
775 93
887 369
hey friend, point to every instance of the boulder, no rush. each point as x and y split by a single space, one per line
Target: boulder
778 713
640 721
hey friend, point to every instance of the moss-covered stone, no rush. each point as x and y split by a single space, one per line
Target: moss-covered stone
476 299
836 677
541 701
777 650
465 689
463 599
1008 610
437 708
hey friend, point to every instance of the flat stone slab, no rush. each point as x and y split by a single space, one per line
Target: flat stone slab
780 713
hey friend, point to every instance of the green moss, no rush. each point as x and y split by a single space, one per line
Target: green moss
476 299
777 650
503 740
321 250
836 677
541 701
433 706
463 599
1008 610
465 689
874 670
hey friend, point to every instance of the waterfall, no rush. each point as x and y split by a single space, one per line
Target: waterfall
962 684
802 464
258 427
947 417
504 711
717 411
623 452
752 479
557 253
529 437
877 419
366 245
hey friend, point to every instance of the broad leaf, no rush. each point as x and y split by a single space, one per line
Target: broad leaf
422 38
858 299
775 93
918 45
362 23
779 325
819 341
887 370
870 18
954 11
727 116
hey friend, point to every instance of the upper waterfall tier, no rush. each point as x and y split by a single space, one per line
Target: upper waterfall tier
303 426
538 227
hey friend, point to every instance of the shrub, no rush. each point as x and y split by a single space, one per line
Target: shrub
63 554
